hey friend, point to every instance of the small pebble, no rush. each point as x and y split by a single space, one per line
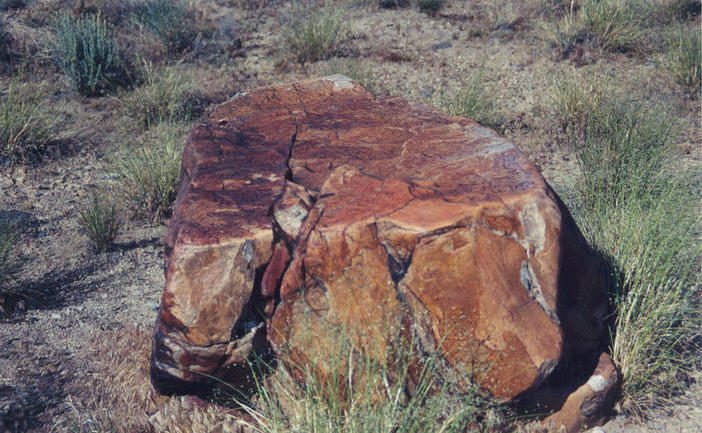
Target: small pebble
56 316
597 430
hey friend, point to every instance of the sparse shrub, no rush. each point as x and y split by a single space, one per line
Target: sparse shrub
86 52
171 21
26 125
163 96
471 100
100 221
611 23
683 58
430 6
312 32
638 210
575 97
353 69
149 172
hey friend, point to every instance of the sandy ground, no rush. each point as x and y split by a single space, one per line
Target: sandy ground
69 298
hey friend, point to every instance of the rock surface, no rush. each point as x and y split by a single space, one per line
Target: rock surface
312 207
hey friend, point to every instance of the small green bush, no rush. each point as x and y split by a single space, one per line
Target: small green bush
171 21
100 222
149 172
312 32
86 52
638 210
26 126
430 6
470 101
683 58
164 95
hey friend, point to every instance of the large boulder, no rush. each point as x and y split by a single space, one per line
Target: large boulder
311 207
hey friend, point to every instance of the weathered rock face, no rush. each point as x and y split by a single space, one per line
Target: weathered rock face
311 207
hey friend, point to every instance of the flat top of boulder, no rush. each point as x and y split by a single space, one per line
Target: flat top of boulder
305 131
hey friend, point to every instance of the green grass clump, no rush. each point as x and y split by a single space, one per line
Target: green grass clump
149 172
358 394
431 6
26 126
611 23
471 100
683 58
86 52
100 222
575 97
171 21
164 95
638 209
312 32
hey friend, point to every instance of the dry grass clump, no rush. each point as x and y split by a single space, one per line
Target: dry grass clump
100 222
683 58
311 31
164 96
116 395
637 207
26 123
149 170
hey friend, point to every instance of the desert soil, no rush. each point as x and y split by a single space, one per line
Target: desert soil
72 303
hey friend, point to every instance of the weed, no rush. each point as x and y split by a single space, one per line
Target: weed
171 21
26 126
611 23
163 96
470 101
312 32
100 221
638 211
149 173
430 6
353 69
683 58
574 97
86 52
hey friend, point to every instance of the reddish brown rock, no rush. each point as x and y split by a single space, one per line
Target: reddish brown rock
314 207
